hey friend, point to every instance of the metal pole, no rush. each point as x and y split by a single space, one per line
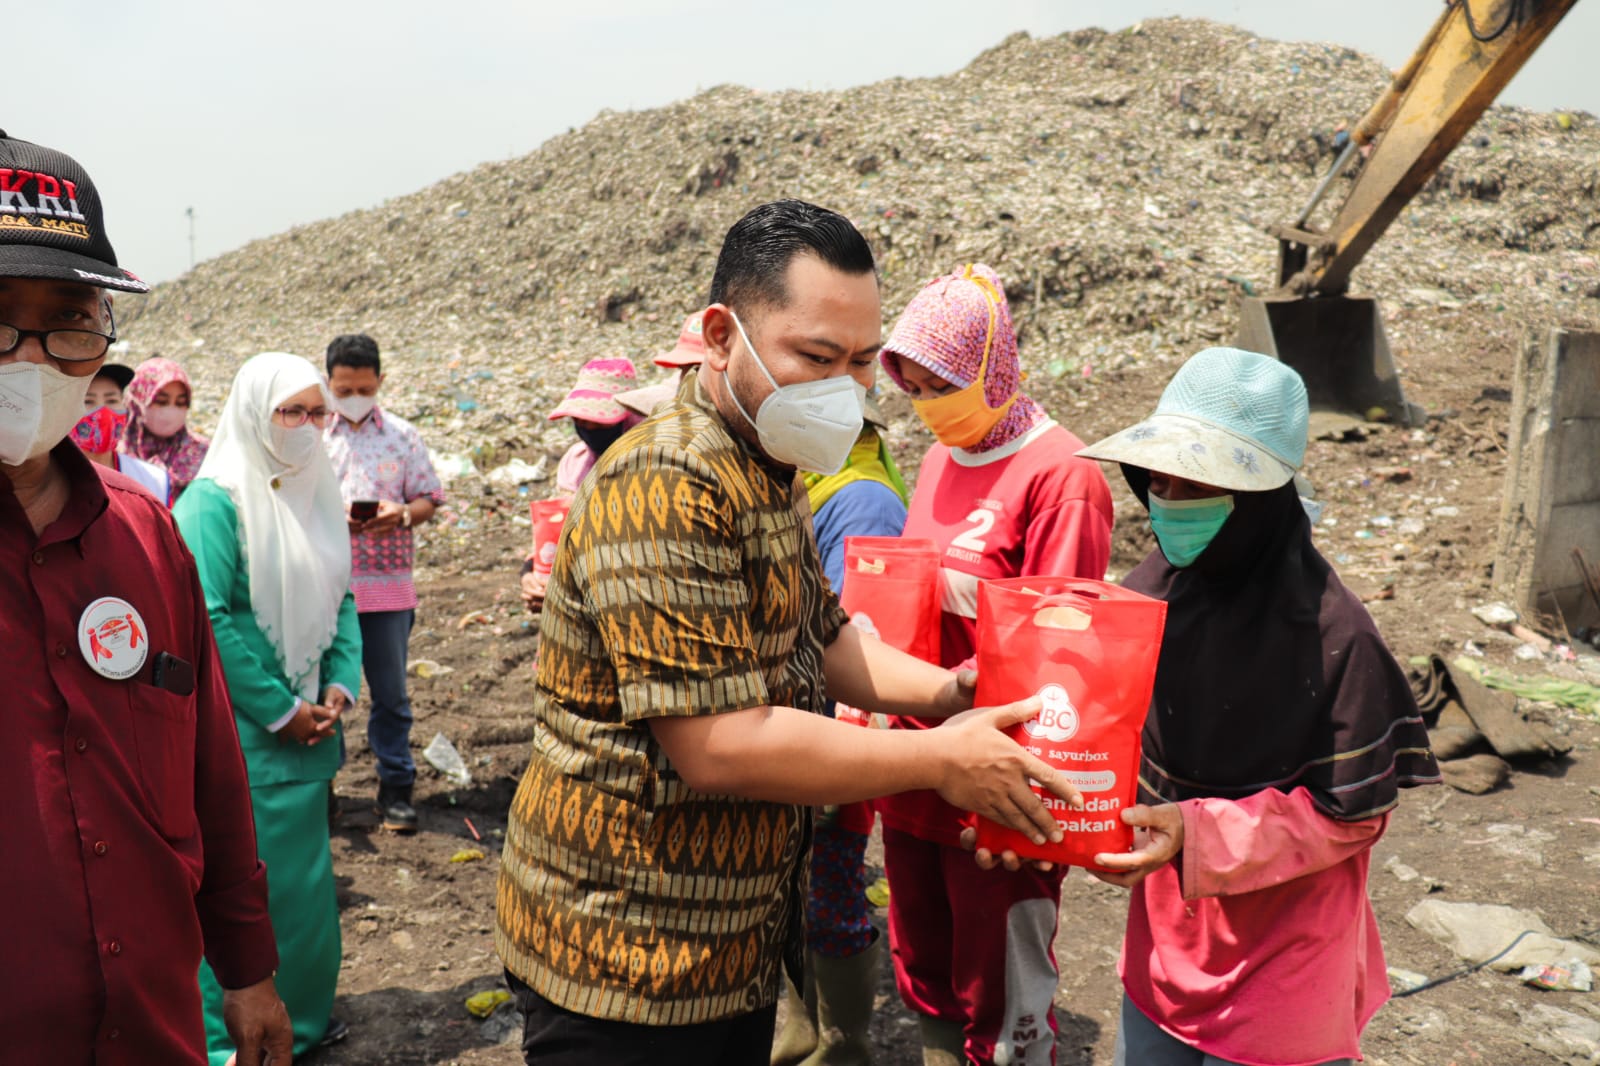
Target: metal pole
1327 179
190 212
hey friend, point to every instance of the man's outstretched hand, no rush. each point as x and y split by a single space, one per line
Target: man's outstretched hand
987 772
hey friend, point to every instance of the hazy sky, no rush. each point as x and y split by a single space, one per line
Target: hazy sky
266 116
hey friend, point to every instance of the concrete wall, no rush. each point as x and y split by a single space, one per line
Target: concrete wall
1552 494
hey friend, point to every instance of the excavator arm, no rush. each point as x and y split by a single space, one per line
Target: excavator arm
1468 56
1337 341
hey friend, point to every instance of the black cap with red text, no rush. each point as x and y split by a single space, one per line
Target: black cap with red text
51 224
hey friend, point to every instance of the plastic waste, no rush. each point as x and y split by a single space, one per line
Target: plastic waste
1570 975
443 757
483 1004
518 472
451 465
1405 980
1574 694
1494 614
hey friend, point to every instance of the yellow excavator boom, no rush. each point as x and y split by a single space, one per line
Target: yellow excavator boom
1470 53
1337 341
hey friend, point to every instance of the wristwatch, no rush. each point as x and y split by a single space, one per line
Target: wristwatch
405 515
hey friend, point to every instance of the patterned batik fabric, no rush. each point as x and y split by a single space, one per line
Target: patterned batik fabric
383 458
687 583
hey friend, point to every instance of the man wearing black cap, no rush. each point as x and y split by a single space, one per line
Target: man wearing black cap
127 833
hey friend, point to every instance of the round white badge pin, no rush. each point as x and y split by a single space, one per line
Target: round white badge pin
113 638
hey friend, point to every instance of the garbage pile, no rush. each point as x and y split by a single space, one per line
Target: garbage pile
1120 182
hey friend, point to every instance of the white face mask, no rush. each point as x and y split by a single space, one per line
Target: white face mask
165 421
811 425
295 448
355 407
39 405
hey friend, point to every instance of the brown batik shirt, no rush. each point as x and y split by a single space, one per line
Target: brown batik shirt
687 583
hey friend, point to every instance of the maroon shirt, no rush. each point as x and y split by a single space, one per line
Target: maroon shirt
126 839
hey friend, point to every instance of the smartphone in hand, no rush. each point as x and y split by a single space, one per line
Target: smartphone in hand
363 510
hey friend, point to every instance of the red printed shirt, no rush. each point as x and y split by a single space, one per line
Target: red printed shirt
1029 507
383 458
127 835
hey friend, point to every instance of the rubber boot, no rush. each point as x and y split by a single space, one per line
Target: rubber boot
943 1043
799 1036
394 808
845 989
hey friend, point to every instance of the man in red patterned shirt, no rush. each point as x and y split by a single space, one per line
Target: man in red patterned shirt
382 463
128 840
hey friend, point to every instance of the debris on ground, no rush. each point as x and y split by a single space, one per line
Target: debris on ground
1579 695
1566 1037
1477 733
504 1026
1570 975
483 1004
1478 932
443 757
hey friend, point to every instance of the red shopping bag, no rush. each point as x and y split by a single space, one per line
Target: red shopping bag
892 590
547 515
1089 650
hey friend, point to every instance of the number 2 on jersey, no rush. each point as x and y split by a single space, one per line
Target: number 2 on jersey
973 539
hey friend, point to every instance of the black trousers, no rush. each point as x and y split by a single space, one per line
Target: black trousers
554 1036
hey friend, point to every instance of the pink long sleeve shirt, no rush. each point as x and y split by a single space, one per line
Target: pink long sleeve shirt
1257 944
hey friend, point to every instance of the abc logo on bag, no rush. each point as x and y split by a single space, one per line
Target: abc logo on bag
1057 720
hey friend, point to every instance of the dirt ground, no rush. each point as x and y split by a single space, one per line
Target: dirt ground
418 927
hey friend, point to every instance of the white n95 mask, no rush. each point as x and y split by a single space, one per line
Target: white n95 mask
39 405
811 425
355 407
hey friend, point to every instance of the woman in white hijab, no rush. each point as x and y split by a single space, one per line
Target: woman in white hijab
267 528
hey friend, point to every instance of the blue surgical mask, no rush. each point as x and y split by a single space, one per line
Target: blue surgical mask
1186 528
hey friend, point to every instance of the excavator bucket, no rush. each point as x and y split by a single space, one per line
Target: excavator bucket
1337 344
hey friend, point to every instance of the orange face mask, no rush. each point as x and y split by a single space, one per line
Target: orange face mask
963 418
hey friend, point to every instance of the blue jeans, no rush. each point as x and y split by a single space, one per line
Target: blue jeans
384 637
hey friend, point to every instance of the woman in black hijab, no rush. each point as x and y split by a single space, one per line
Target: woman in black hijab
1280 733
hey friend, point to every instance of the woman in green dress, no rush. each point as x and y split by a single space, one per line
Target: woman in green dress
267 528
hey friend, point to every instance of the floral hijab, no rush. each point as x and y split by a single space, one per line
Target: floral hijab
180 454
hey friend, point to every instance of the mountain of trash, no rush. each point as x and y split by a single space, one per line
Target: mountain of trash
1121 182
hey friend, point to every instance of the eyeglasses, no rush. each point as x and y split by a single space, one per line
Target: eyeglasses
67 345
295 417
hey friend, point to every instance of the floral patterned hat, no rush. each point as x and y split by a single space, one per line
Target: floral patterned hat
1229 418
594 397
